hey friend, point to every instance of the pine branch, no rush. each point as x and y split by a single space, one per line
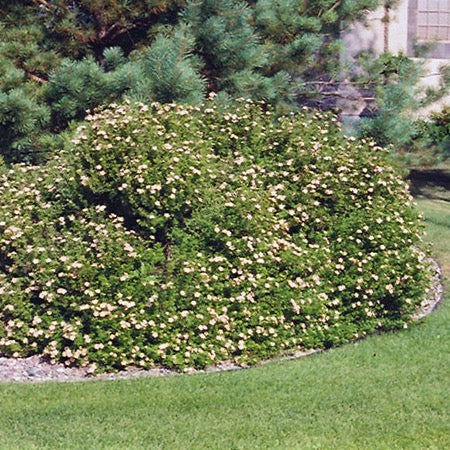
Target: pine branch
36 78
44 3
336 5
347 97
114 31
334 82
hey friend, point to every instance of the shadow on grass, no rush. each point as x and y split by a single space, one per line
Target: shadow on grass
432 183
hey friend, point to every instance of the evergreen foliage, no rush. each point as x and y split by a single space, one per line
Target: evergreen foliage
395 81
232 51
21 121
78 28
78 86
64 57
169 71
437 130
432 134
68 56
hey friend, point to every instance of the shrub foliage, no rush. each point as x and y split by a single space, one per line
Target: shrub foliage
184 236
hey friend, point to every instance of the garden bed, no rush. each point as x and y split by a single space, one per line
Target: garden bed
186 238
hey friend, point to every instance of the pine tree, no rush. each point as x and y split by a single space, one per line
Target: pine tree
61 57
302 37
78 86
22 119
23 113
168 70
395 83
78 28
229 46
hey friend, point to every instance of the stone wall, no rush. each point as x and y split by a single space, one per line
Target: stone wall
393 30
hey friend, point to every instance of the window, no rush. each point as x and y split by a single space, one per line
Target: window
429 21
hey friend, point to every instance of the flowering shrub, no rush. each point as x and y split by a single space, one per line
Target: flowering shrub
181 236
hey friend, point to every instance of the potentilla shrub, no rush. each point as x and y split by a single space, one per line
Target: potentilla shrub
182 236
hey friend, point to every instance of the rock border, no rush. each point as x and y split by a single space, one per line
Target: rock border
437 292
36 369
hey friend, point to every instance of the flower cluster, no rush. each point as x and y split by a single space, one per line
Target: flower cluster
183 236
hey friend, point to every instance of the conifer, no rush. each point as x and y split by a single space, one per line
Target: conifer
61 57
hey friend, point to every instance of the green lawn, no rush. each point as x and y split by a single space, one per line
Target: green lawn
388 391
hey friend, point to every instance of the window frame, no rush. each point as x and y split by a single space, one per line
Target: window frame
440 50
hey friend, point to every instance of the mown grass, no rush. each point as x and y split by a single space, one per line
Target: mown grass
387 391
437 213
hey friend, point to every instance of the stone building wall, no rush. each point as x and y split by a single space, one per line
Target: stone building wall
396 30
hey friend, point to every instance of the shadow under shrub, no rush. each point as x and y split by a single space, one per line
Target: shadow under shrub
182 236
